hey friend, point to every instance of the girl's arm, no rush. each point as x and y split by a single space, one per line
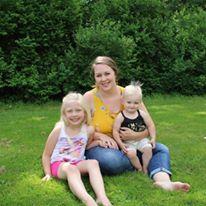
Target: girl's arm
149 118
116 128
49 147
150 125
91 142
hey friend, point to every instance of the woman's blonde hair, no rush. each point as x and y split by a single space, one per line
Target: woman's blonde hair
77 97
107 61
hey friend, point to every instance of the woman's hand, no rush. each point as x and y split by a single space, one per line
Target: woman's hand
46 178
126 133
107 142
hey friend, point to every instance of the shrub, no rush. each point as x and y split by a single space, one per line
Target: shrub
47 46
101 39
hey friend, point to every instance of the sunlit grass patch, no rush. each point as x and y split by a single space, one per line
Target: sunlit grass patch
180 123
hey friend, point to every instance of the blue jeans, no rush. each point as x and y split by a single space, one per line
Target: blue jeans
113 161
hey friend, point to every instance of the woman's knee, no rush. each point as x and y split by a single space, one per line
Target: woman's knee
111 161
161 148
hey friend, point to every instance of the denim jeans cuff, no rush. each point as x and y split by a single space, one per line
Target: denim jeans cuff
161 169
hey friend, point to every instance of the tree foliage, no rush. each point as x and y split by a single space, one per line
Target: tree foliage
46 47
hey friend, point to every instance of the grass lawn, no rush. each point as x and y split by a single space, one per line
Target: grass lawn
181 125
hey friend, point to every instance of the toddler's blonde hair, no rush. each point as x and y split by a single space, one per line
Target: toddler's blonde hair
132 89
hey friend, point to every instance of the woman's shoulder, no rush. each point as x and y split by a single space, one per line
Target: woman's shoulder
89 97
121 88
89 94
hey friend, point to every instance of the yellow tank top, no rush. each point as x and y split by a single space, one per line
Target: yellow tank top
102 118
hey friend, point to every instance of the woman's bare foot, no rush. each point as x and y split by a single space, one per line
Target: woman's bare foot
173 186
104 201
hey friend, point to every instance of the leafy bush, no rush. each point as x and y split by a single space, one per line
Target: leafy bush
34 36
47 46
101 39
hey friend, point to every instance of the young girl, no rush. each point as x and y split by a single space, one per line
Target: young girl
137 120
63 156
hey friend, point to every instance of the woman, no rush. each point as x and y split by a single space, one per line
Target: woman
105 103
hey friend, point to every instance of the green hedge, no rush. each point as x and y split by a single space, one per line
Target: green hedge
47 46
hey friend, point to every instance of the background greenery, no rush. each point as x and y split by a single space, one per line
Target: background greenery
24 129
46 47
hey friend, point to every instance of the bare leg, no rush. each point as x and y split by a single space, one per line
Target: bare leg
95 177
131 154
162 180
72 174
146 157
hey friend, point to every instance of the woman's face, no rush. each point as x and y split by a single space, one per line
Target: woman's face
104 76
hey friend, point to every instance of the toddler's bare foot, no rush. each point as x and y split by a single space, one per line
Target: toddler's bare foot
139 169
173 186
145 170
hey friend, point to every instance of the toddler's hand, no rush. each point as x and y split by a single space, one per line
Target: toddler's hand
46 178
124 148
152 142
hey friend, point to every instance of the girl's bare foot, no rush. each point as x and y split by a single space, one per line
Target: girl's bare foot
173 186
104 201
90 202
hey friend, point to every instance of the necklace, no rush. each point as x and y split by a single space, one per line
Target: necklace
112 105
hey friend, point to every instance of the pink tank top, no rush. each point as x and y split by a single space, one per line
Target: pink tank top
70 149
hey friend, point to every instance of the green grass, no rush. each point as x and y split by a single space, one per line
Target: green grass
181 125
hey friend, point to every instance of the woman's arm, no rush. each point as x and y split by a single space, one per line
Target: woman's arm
49 147
104 140
91 141
89 99
100 139
128 134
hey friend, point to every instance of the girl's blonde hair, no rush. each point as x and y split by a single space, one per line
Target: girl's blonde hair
132 89
77 97
107 61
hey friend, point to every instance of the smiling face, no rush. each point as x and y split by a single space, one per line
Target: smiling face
74 114
104 76
131 103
